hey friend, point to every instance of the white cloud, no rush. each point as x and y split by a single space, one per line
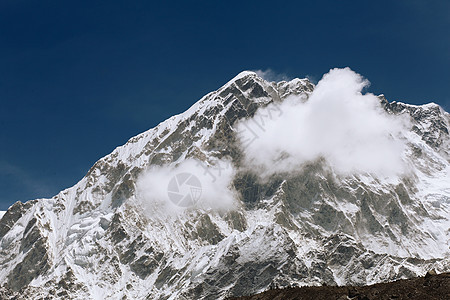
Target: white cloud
271 75
208 186
339 123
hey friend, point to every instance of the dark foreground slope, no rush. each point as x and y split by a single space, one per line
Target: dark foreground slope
420 288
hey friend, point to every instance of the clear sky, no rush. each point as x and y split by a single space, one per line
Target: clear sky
79 78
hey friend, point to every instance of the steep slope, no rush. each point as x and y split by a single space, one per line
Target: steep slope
313 226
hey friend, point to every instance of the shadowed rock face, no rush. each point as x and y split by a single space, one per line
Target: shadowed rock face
305 227
13 214
34 263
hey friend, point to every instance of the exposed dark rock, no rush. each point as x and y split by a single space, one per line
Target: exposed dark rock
35 262
13 214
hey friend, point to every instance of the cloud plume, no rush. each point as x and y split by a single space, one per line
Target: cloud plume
350 130
271 75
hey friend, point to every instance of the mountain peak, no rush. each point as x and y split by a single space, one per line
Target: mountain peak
244 74
306 227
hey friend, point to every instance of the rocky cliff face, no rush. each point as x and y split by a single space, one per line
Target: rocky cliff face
312 226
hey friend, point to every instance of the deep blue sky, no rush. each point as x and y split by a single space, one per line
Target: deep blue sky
79 78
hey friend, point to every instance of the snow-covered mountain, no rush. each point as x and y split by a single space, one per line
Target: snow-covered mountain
107 238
